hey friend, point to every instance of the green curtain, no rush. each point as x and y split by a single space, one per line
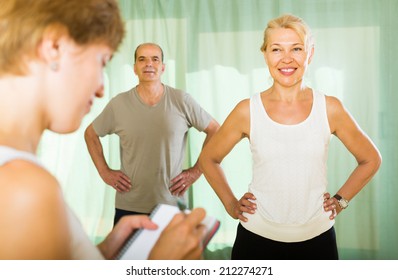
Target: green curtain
212 51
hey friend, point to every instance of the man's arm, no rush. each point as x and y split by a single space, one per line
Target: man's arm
181 183
115 178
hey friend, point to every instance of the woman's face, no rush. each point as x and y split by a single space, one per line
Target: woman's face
78 80
286 56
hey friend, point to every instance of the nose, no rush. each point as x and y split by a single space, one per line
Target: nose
287 58
100 91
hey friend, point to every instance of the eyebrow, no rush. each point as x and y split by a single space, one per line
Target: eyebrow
288 43
143 56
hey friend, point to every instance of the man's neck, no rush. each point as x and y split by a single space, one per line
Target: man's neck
150 93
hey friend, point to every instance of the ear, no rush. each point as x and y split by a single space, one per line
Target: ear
50 47
310 55
265 57
135 69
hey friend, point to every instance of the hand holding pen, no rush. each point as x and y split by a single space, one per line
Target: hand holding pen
182 238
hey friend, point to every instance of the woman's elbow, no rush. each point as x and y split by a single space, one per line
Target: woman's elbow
377 162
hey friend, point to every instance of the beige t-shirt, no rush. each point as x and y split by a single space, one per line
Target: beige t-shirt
152 143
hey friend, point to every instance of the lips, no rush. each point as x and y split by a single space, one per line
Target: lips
287 71
149 71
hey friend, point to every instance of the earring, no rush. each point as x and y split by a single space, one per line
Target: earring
54 66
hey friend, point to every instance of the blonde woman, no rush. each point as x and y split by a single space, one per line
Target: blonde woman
287 212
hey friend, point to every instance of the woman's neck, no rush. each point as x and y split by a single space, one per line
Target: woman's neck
288 94
21 123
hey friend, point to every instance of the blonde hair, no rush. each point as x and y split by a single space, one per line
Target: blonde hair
291 22
23 23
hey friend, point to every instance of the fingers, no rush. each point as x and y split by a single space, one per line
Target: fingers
333 215
181 183
123 183
120 187
242 218
247 202
122 230
136 221
179 188
118 180
330 204
182 238
124 180
196 233
246 205
193 219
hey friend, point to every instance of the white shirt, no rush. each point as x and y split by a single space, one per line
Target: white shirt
289 174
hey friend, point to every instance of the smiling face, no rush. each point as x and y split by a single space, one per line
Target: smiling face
286 56
148 65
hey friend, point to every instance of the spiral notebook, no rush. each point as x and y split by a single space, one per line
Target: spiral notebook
141 242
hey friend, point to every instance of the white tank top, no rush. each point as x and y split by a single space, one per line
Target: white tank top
81 246
289 174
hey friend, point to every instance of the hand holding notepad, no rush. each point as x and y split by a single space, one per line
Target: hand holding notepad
141 242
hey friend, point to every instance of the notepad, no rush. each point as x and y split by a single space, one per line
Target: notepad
141 242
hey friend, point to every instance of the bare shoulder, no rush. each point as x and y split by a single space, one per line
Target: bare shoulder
32 209
244 103
239 118
339 118
333 104
242 108
32 180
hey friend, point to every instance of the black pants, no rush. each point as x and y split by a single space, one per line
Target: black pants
119 213
250 246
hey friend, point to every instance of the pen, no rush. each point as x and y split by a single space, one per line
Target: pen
182 205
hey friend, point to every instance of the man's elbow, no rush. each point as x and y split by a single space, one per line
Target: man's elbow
89 133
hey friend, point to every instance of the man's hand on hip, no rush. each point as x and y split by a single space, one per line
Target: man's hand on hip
181 183
117 180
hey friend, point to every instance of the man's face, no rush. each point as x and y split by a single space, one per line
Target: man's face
149 66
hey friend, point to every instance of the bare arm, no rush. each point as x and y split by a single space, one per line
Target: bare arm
33 218
235 128
210 130
186 178
343 125
115 178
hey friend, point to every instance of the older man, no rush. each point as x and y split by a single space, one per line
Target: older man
152 121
